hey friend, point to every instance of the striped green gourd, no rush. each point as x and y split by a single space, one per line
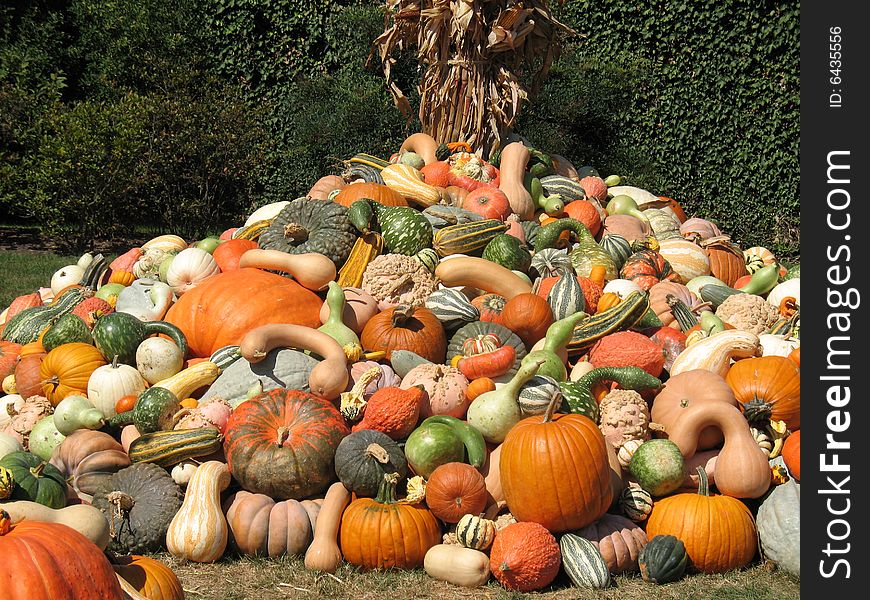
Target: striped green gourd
549 262
583 563
224 357
566 296
717 294
364 171
663 559
368 159
452 308
577 395
586 252
537 393
168 448
441 216
509 252
618 318
636 503
428 258
467 238
617 247
26 326
69 328
567 188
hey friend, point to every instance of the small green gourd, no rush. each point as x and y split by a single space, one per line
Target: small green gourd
334 326
76 412
762 281
625 205
552 205
557 338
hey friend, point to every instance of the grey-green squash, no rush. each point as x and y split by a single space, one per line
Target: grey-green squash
779 526
663 559
364 457
282 368
583 562
307 225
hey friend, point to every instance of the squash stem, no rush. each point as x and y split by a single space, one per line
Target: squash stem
387 489
703 482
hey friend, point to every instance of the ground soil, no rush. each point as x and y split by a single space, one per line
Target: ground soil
28 239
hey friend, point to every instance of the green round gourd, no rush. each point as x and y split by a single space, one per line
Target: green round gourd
508 251
142 527
364 457
658 467
69 328
779 526
307 225
35 479
663 559
583 563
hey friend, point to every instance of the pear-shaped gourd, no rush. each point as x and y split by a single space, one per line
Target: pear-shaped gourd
494 413
625 205
557 338
334 326
44 438
76 412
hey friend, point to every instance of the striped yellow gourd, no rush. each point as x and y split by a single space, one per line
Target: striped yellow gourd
198 532
364 251
188 380
252 231
408 181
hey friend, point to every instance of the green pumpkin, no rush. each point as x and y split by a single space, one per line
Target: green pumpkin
35 480
658 467
364 457
508 251
307 225
69 328
663 559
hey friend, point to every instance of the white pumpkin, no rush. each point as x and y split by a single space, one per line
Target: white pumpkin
65 277
110 383
85 260
777 345
687 259
158 359
267 212
189 268
9 444
145 299
791 287
14 401
621 287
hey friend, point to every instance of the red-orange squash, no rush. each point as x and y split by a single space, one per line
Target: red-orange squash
373 191
406 328
228 254
282 443
791 454
454 490
223 309
525 557
9 355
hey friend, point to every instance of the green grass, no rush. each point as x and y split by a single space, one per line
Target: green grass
26 272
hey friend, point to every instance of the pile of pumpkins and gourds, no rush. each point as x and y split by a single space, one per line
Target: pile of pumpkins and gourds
507 367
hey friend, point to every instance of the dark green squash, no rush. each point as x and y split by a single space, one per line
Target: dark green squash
35 480
139 503
119 334
154 410
364 457
663 559
508 251
617 247
69 328
307 225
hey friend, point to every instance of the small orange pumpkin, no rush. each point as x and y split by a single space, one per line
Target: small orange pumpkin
454 490
791 454
479 386
66 370
767 388
525 557
150 577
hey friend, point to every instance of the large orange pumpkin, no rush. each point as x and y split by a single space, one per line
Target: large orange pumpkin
381 533
403 327
718 531
49 561
527 315
555 471
150 577
373 191
768 387
222 310
66 370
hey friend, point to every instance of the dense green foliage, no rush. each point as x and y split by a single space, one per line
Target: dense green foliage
185 113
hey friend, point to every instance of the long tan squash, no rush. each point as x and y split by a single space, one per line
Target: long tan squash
324 553
470 271
409 182
457 565
199 530
512 170
188 380
84 518
715 352
312 270
327 379
422 144
742 467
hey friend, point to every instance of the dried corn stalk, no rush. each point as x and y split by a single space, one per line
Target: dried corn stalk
473 54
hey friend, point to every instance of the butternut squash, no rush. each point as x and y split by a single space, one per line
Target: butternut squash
457 565
422 144
470 271
199 530
715 352
742 467
327 379
324 553
188 380
312 270
84 518
512 168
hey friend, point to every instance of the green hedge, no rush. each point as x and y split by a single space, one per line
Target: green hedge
697 100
